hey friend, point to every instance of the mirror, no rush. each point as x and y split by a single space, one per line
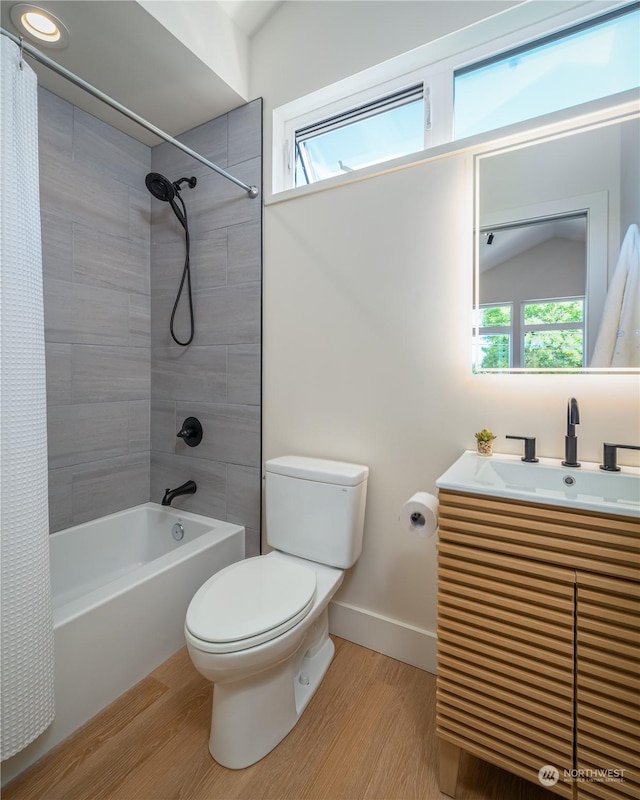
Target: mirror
553 223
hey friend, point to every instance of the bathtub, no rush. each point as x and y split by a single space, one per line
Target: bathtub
121 586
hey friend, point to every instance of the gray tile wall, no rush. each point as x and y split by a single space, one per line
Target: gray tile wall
217 377
118 387
96 263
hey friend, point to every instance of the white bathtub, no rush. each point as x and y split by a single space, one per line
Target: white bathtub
121 586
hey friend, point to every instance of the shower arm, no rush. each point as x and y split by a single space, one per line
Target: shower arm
252 191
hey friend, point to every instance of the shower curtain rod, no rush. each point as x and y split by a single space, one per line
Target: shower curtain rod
82 84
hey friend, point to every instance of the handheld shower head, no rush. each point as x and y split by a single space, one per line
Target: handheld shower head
169 192
163 189
160 187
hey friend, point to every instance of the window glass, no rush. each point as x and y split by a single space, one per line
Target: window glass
492 345
548 313
368 137
551 335
551 349
585 63
554 334
492 351
492 316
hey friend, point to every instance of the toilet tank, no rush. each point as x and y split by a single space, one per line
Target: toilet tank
315 508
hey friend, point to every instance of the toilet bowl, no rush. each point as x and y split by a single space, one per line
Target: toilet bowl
258 629
262 687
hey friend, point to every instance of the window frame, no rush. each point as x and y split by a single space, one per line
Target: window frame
343 105
434 64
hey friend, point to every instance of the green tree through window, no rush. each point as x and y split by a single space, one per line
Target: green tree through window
552 336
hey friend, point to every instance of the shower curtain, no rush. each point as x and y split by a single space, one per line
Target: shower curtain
618 342
26 656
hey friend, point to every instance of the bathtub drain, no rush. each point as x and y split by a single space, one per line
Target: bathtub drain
177 531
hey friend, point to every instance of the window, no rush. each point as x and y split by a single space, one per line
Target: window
542 334
553 334
492 345
422 99
377 131
584 63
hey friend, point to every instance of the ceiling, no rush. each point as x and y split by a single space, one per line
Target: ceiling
122 50
249 15
507 243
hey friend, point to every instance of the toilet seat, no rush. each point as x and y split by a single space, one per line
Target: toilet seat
249 603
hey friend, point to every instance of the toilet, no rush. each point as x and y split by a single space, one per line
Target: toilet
259 628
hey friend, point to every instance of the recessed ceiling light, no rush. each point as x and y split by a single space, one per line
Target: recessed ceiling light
39 25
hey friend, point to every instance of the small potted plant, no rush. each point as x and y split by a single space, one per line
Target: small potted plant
484 440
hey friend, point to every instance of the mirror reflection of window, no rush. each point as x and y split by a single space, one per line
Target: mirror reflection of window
516 327
589 171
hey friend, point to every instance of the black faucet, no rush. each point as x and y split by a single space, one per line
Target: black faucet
187 488
571 440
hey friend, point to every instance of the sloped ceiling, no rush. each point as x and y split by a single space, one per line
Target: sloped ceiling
249 15
509 243
125 52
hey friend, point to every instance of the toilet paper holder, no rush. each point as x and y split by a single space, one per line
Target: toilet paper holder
419 515
418 520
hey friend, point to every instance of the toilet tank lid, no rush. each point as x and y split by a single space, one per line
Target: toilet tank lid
318 469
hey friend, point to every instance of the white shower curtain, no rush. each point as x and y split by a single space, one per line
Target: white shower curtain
618 342
26 660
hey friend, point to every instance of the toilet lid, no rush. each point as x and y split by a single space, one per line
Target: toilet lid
250 598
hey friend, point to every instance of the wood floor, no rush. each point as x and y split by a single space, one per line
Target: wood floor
368 734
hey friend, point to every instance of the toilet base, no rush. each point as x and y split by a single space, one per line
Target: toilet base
251 716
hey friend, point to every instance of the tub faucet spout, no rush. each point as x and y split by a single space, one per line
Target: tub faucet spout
187 488
571 440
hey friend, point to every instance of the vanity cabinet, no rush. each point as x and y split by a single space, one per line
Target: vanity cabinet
608 685
538 643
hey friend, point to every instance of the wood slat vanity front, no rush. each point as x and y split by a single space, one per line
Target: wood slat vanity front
539 643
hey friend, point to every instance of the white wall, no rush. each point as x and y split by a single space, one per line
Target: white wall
558 265
210 34
307 45
568 167
367 295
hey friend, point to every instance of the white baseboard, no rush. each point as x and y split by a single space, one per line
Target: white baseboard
391 637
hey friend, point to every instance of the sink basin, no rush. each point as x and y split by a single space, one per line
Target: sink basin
587 487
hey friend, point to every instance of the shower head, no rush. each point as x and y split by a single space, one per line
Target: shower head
163 189
160 187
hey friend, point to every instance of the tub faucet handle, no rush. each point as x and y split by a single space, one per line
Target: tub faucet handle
191 432
529 448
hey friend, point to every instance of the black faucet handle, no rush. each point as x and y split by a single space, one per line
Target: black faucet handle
610 455
529 448
191 431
